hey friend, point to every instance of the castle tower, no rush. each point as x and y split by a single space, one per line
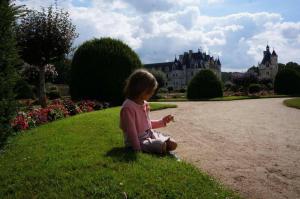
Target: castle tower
268 67
274 57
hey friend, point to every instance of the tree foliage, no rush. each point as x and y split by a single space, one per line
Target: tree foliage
287 81
44 37
8 61
242 81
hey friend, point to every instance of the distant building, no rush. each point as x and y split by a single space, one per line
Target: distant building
182 70
268 67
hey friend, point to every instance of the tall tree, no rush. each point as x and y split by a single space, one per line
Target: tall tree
45 37
8 61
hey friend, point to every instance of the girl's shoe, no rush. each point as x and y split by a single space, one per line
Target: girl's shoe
174 155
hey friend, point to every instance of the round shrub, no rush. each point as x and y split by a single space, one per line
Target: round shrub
99 70
287 81
204 84
254 88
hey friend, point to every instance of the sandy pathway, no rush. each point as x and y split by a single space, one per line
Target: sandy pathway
252 146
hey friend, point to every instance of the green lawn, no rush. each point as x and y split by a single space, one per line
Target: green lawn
158 106
83 157
225 98
295 102
230 98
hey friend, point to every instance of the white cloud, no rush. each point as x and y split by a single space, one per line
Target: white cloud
283 37
103 23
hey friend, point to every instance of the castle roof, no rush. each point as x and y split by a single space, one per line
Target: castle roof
197 55
268 55
163 65
188 59
178 65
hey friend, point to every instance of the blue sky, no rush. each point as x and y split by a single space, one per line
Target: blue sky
235 31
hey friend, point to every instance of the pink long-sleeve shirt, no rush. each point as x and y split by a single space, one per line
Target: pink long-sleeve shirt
135 120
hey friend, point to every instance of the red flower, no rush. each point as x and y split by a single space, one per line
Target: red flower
20 122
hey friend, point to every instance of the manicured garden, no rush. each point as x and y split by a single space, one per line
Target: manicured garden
83 157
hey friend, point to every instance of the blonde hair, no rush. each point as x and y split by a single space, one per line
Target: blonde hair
138 82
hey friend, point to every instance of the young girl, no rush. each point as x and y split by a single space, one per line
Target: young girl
134 116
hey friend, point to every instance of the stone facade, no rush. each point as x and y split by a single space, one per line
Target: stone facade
182 70
268 67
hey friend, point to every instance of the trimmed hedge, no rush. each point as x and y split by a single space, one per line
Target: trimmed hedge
204 84
287 81
100 68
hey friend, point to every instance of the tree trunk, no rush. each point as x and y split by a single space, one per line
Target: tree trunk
42 90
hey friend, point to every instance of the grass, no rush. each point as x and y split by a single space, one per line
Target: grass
225 98
295 102
230 98
158 106
83 157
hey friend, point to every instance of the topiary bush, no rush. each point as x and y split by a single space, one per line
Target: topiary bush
287 81
99 70
254 88
204 84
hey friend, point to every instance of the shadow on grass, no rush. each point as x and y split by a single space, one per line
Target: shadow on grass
122 154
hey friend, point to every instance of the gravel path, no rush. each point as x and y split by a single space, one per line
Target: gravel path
252 146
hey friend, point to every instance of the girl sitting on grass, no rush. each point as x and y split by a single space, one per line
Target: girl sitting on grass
134 116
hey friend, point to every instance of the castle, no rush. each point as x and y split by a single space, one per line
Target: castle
182 70
268 67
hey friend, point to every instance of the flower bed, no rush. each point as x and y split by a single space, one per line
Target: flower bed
56 110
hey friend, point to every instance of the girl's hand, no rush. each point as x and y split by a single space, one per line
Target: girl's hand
168 119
